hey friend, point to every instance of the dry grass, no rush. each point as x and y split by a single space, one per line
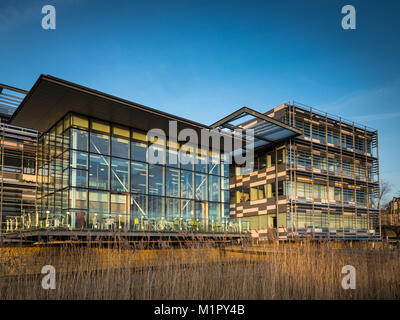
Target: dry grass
291 271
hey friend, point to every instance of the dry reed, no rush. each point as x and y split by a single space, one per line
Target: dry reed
305 270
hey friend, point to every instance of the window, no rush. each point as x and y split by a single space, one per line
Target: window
187 157
119 204
257 193
281 188
156 180
120 147
12 163
77 199
245 196
281 156
99 143
78 178
347 168
99 202
333 137
347 141
138 209
360 197
201 161
359 144
172 212
99 171
214 188
187 209
303 159
253 194
29 166
79 140
232 196
156 209
338 194
303 126
187 184
79 160
348 195
172 182
319 191
271 159
318 133
319 162
138 150
201 186
214 213
225 164
172 154
138 177
331 164
119 175
214 165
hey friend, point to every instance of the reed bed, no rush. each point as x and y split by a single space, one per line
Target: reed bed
302 270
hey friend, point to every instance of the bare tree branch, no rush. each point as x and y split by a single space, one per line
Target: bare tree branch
385 188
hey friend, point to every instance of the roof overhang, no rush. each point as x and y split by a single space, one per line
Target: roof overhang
52 98
267 131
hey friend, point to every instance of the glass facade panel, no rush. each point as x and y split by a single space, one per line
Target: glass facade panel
79 140
201 187
99 202
138 177
120 147
78 178
214 164
119 211
156 209
99 172
156 179
119 175
172 182
187 184
79 160
172 213
187 157
99 143
201 161
138 151
78 199
214 188
138 210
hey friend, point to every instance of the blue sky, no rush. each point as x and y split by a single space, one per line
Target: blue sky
204 59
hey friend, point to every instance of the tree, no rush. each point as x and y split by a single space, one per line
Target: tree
385 188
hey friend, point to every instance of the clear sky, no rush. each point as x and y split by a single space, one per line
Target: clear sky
204 59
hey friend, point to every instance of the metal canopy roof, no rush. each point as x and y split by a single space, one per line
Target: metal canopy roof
52 98
10 99
267 131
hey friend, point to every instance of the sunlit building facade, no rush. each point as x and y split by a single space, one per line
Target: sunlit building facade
322 183
312 174
94 174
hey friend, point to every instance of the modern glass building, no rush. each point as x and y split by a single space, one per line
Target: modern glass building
93 172
312 174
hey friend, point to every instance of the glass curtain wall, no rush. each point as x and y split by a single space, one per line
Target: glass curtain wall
94 175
